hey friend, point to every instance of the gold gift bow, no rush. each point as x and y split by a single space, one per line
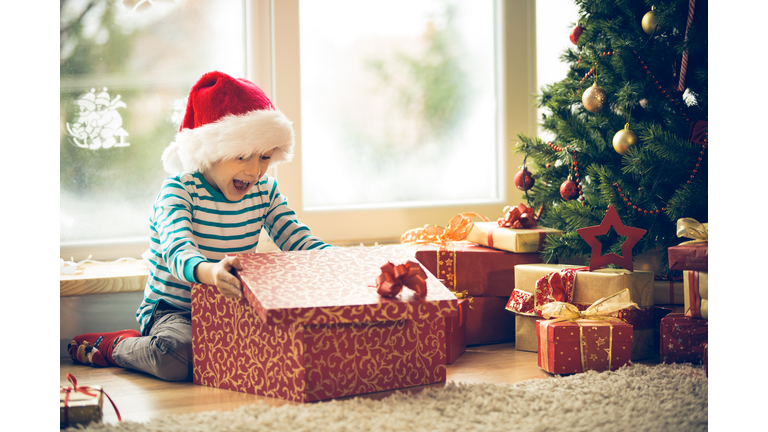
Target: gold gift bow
597 311
458 229
691 228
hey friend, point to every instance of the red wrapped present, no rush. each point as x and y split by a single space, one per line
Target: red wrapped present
606 345
578 341
683 339
696 294
488 322
312 327
456 334
480 271
690 255
534 288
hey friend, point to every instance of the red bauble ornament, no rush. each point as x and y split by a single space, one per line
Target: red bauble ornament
569 190
575 33
524 180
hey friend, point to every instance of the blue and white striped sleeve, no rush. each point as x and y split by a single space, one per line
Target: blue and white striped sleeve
282 226
173 224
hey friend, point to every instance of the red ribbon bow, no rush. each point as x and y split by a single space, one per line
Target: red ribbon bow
393 277
518 217
84 390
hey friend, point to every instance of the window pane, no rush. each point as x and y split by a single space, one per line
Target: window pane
398 102
126 67
553 29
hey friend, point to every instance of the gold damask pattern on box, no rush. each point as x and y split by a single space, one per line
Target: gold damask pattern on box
275 343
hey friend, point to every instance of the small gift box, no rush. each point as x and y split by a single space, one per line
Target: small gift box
492 235
480 271
578 341
81 405
690 255
683 338
456 335
605 345
696 294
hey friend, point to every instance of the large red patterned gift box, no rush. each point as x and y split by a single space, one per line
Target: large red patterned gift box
683 339
312 327
573 347
478 270
583 288
456 329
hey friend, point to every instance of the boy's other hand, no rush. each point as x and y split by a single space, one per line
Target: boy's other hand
219 274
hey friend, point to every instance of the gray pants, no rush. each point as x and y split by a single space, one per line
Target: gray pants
166 352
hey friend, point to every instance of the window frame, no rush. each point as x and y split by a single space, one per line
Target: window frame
273 63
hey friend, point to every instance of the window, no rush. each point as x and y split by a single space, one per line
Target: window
386 219
127 66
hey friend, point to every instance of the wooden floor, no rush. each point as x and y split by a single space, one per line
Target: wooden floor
141 397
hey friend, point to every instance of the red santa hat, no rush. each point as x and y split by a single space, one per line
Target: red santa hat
227 118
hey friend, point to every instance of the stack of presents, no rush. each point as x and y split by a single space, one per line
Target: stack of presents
322 324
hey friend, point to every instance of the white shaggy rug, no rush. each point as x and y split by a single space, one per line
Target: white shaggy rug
634 398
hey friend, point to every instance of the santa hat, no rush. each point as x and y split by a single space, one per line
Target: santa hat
227 118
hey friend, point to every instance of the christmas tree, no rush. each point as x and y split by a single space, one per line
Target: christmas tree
629 121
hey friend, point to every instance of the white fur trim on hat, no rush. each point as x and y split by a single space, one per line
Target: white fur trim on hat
232 136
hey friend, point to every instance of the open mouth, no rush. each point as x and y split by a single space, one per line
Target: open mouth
241 186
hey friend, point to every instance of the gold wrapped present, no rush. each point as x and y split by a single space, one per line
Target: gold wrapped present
589 287
696 293
81 405
509 239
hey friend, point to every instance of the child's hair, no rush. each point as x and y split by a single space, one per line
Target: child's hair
228 118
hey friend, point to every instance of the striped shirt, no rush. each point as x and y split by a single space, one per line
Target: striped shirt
191 222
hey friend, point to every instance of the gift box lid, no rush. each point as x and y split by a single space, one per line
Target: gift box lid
334 285
568 332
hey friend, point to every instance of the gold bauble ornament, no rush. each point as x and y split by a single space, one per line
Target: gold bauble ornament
623 140
594 99
650 22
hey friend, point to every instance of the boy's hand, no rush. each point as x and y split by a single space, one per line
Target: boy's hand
218 274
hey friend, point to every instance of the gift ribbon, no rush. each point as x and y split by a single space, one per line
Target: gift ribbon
84 390
518 217
600 310
693 294
394 277
691 228
458 229
672 281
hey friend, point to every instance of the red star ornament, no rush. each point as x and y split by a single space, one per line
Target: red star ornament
598 260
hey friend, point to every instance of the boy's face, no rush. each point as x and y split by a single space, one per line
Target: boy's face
235 177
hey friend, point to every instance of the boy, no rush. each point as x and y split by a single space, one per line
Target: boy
216 204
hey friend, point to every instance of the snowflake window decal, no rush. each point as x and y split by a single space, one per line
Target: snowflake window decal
98 124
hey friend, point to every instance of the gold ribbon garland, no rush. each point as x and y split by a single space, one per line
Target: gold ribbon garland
458 229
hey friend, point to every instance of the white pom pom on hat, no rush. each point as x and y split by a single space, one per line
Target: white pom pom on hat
226 118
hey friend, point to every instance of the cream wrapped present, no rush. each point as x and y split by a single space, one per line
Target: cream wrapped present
696 294
584 288
509 239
